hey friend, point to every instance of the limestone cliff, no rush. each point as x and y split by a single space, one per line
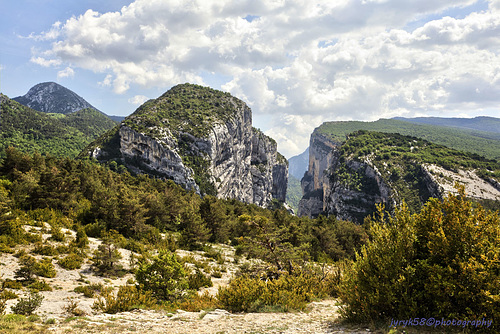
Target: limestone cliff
372 168
321 153
202 139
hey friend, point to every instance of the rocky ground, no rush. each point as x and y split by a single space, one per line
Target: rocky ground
320 317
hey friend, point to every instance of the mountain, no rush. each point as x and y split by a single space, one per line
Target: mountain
51 97
117 119
298 164
56 134
346 179
485 143
202 139
481 123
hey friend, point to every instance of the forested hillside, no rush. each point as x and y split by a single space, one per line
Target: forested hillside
61 135
483 123
483 143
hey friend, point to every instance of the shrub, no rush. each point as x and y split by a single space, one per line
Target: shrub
5 249
197 303
199 280
127 298
95 230
71 261
7 294
89 290
3 305
216 274
442 262
45 268
37 286
286 293
30 267
164 276
81 241
216 255
11 284
56 233
27 268
13 229
106 257
44 249
72 308
26 306
241 294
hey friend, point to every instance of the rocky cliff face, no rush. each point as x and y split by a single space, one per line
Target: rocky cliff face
321 153
53 98
211 150
347 180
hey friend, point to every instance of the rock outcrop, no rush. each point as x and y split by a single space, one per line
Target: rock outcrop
349 179
321 153
211 150
51 97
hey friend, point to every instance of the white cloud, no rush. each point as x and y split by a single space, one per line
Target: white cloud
68 72
297 62
138 100
45 62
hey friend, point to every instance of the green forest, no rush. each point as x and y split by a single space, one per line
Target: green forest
56 134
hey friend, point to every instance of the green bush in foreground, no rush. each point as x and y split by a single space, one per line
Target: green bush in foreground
443 262
164 276
71 261
26 306
127 298
286 293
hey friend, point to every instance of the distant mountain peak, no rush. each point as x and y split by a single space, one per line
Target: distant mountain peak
51 97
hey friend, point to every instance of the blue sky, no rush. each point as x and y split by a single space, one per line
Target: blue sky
296 63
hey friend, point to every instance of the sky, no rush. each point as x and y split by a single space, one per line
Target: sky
296 63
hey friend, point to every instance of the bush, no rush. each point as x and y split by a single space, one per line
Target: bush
72 308
5 249
3 305
286 293
37 286
216 255
241 294
71 261
11 284
56 233
7 294
197 303
27 268
442 262
44 249
127 298
26 306
89 290
30 267
81 241
164 276
45 268
106 257
199 280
